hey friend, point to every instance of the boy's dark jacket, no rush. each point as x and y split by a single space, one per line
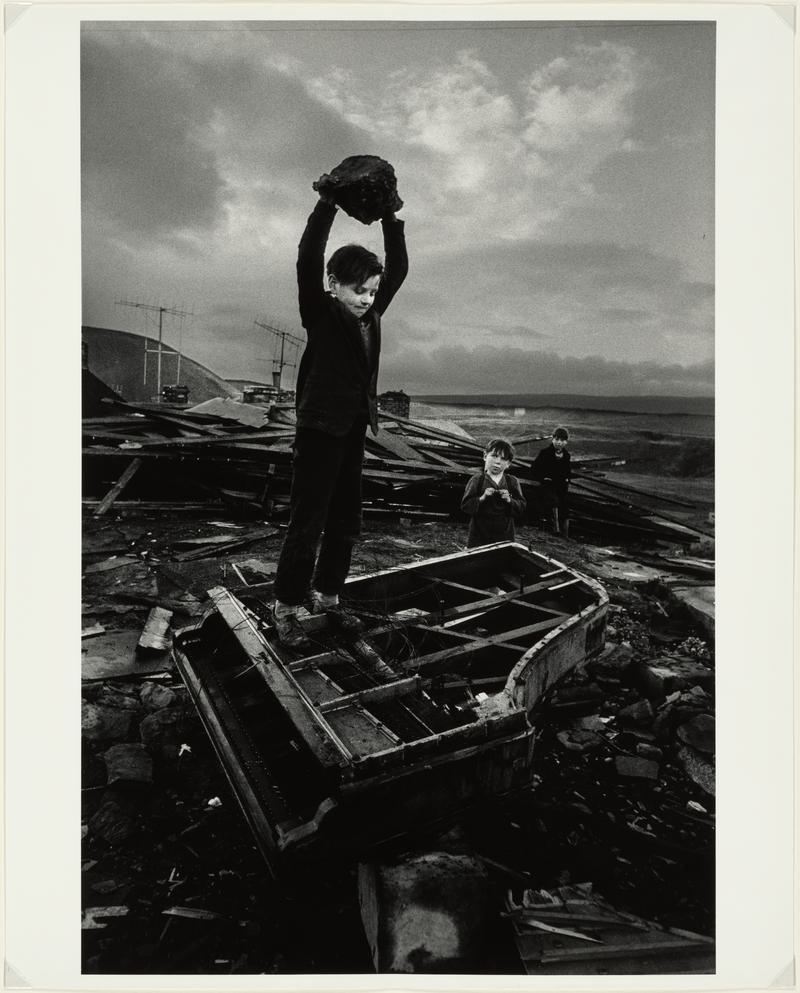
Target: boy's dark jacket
546 466
336 381
492 519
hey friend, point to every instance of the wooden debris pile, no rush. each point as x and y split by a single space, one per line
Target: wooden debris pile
241 454
572 931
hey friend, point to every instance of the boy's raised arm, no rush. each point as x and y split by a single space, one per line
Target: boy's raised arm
395 261
311 259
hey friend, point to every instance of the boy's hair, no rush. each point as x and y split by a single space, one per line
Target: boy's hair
501 447
353 265
561 433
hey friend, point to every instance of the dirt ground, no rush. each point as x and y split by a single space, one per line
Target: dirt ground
172 857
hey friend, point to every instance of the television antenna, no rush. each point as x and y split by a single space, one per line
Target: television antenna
159 351
283 340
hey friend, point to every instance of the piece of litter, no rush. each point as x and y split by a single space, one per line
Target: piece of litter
698 808
89 917
184 749
192 913
214 802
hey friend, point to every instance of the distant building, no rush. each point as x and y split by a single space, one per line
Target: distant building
395 402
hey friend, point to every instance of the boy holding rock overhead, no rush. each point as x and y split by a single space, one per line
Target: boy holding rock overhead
336 396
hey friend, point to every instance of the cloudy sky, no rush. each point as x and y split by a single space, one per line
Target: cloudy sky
558 187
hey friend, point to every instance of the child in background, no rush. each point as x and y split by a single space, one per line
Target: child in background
553 470
493 498
336 401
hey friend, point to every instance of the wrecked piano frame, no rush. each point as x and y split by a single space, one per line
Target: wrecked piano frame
426 714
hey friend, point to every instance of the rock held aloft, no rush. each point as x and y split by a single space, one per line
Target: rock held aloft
364 186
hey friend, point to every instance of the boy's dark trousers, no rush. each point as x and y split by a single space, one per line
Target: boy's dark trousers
325 497
555 499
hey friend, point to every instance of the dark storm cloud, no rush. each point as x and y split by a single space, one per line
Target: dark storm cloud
489 369
166 141
142 163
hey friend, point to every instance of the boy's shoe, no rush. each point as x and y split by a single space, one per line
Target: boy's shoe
338 616
290 632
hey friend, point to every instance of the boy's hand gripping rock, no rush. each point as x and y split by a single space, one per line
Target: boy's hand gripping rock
364 186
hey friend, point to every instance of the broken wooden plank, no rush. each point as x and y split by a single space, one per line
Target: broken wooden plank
476 644
247 539
315 731
118 487
394 444
374 694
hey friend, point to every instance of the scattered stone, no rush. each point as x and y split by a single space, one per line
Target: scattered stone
155 697
579 741
124 698
698 768
594 722
699 734
106 886
699 601
639 714
104 723
164 729
612 661
635 767
648 751
112 823
662 676
128 763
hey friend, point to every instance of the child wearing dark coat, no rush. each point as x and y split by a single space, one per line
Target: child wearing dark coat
493 497
335 400
553 470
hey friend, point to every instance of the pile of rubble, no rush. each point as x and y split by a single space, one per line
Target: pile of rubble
172 879
240 455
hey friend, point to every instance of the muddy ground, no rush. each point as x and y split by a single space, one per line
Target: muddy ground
172 880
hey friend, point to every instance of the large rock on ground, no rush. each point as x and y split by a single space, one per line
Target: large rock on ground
155 697
612 662
698 733
426 914
698 768
699 601
128 763
105 723
658 678
165 729
112 822
636 767
639 714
